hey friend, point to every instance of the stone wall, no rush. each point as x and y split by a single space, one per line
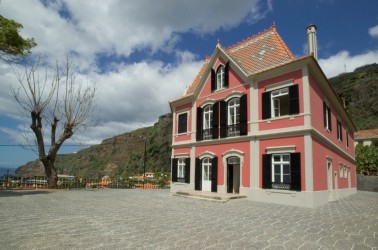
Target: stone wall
367 183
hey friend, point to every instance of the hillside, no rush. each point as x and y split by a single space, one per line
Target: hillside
359 89
122 155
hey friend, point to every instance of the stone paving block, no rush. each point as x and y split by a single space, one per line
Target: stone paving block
153 219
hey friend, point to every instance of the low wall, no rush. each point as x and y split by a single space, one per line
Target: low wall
367 183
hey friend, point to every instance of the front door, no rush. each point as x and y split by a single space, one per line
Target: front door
230 178
206 175
233 175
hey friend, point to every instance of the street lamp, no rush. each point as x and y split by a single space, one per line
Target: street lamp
144 161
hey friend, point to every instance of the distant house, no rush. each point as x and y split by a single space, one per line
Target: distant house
260 122
365 137
150 175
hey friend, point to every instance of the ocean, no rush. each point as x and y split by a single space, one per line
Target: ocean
4 171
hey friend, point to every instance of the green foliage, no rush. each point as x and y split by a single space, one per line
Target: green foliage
367 159
12 44
359 89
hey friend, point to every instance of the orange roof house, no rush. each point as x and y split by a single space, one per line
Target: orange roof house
262 123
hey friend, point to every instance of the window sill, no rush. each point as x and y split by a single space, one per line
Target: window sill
290 117
281 191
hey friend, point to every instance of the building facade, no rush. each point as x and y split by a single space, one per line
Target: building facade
259 122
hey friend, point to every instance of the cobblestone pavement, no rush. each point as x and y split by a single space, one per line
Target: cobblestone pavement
153 219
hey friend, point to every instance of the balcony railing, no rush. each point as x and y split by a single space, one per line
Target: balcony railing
284 186
207 134
233 130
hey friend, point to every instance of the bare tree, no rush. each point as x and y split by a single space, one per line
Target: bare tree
61 102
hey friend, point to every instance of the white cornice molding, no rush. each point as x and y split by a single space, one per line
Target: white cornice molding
207 154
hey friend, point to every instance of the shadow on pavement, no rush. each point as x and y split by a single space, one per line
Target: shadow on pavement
12 193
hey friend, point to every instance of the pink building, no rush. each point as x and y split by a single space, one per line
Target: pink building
259 122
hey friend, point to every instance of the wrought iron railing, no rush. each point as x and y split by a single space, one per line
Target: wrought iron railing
14 182
284 186
207 134
233 130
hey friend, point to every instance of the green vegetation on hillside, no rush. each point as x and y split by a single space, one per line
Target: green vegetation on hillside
359 89
119 156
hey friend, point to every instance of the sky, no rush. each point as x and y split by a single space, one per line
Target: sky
141 54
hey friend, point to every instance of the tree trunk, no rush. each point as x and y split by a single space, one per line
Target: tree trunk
51 173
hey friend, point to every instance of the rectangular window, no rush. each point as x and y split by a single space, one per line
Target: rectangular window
181 168
339 131
280 102
327 117
281 171
347 138
182 123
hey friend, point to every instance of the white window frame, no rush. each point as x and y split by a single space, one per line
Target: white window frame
178 122
206 165
208 117
327 116
276 102
181 168
233 107
220 77
339 130
281 162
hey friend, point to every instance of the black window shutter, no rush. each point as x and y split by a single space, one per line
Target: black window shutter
329 118
325 114
226 69
293 100
214 174
199 124
223 119
267 171
174 169
187 170
266 110
213 82
198 175
295 166
215 130
243 115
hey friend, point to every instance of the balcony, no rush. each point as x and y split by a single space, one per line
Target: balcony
233 130
207 134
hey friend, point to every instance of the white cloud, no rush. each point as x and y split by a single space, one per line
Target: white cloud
373 31
84 30
344 62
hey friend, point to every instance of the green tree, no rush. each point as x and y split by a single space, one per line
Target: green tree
367 159
12 44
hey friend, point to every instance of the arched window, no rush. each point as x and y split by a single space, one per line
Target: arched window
207 122
220 77
233 117
206 165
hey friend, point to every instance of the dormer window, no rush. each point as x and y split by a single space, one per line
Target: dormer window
220 77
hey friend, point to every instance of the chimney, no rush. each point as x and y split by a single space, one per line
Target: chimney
312 45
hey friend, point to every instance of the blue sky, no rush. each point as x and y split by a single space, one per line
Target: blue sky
142 54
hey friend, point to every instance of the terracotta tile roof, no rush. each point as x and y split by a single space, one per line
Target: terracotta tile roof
192 87
366 134
261 52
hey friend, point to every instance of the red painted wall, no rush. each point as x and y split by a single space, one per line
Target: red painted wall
317 120
320 154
